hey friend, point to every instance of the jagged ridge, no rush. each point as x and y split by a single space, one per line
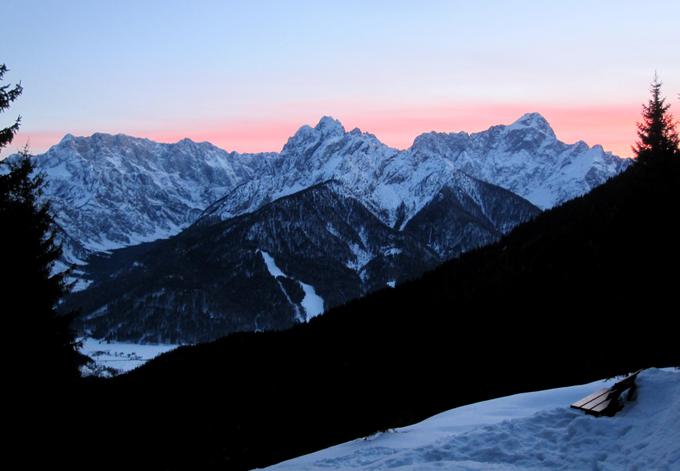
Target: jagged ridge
114 191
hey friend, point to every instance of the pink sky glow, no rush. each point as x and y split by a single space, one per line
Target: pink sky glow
246 75
612 126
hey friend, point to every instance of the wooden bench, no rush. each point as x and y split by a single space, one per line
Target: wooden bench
607 401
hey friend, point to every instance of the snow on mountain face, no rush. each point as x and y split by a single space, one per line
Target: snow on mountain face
466 215
392 184
528 431
339 212
114 191
282 264
312 303
312 156
525 158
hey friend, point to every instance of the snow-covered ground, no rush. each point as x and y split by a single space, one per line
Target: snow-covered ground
312 303
531 431
112 358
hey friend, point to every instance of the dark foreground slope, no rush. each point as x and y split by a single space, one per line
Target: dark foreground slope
584 291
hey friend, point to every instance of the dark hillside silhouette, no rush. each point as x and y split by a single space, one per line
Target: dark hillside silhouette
548 305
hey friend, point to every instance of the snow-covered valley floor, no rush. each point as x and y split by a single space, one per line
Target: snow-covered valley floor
112 358
531 431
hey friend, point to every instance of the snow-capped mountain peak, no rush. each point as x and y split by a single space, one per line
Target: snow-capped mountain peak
308 139
526 158
186 142
67 137
328 126
534 121
111 191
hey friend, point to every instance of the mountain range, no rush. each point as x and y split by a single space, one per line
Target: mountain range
234 242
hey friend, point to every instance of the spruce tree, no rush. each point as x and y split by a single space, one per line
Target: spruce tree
657 135
44 347
7 95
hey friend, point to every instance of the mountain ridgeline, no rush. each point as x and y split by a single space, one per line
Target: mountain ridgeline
267 240
582 291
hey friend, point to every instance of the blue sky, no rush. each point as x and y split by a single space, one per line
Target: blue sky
245 75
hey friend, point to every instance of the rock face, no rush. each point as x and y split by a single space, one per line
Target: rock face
525 158
110 191
334 215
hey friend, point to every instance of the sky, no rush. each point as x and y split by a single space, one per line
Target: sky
245 75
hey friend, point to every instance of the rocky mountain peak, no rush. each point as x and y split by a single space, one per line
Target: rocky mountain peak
329 126
308 138
534 121
67 138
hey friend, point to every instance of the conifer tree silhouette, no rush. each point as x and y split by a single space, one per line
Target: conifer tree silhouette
30 290
7 95
657 135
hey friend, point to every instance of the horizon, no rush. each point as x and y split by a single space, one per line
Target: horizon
248 137
244 77
347 129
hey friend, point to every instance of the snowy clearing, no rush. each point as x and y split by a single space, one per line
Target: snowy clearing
531 431
274 270
312 303
114 358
